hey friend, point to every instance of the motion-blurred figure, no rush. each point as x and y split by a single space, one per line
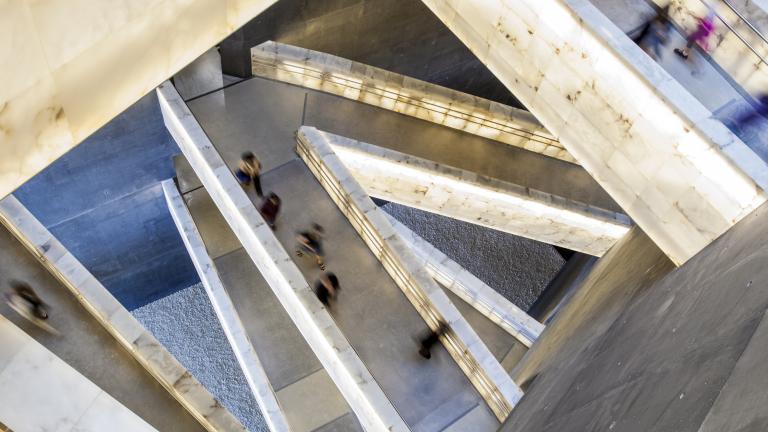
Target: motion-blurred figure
757 113
311 242
33 303
248 171
327 288
430 339
655 34
269 209
700 36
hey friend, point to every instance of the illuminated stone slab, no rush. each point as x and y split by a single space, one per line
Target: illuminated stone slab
408 272
71 66
100 303
41 392
728 51
405 95
677 172
230 322
361 391
477 199
469 288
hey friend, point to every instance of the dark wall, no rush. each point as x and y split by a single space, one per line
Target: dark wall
104 202
644 346
403 36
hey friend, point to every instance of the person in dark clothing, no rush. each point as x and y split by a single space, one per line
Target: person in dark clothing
311 242
655 34
758 112
248 171
326 288
269 209
430 339
36 305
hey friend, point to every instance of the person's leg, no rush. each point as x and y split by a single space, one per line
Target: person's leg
257 185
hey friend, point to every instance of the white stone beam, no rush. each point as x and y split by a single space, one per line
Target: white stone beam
678 173
105 308
469 288
404 95
363 394
460 194
462 343
68 67
222 304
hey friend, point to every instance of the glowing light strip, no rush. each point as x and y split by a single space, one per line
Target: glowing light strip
383 173
374 411
469 352
335 75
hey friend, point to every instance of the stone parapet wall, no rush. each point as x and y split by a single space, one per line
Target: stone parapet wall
405 95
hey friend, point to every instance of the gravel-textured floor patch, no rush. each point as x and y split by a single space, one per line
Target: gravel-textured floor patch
516 267
187 325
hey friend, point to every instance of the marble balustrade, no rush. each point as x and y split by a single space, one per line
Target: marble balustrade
147 350
678 173
70 67
363 394
225 311
41 392
473 198
405 95
725 47
470 353
469 288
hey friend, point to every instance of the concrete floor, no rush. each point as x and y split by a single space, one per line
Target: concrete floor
643 346
262 116
86 346
186 324
304 389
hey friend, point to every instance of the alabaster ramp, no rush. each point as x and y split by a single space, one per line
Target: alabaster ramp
246 355
363 394
470 353
404 95
77 65
677 172
477 199
471 289
144 351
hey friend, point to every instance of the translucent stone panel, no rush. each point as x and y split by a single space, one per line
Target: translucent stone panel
69 67
679 174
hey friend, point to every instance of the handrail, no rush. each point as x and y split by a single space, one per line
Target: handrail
738 35
749 24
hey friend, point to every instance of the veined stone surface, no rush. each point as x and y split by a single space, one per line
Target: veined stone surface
405 95
678 173
471 289
362 392
69 67
473 357
460 194
115 318
230 322
42 392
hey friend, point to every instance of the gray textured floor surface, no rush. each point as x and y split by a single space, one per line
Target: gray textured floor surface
516 267
185 323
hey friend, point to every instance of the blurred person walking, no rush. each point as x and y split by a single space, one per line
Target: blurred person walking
430 339
269 209
655 34
248 171
327 288
311 242
700 36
